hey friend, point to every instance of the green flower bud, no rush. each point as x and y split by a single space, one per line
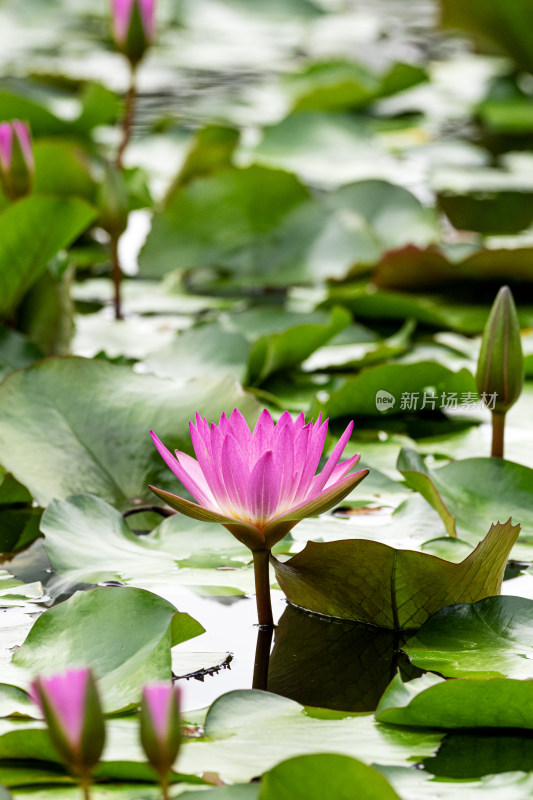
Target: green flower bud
500 371
112 201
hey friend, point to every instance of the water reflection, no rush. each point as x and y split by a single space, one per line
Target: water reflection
340 665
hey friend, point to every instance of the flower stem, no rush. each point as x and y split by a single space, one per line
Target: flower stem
85 784
498 427
262 587
127 120
164 788
117 276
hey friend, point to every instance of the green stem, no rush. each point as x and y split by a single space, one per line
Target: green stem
117 276
85 784
498 427
164 788
262 587
127 120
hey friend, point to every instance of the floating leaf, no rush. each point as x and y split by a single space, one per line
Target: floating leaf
372 582
249 732
89 422
312 777
492 638
32 231
433 702
466 492
124 634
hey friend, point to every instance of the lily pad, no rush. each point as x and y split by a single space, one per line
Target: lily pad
89 422
249 732
32 231
399 589
312 777
491 638
88 541
466 492
124 634
433 702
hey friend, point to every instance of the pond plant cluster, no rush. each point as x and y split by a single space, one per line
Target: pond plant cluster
293 240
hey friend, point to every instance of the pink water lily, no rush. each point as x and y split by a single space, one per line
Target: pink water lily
133 26
259 484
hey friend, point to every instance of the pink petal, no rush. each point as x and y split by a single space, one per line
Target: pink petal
201 442
235 476
341 470
6 145
315 446
121 13
23 133
158 698
148 17
283 451
240 430
181 474
264 489
261 436
322 478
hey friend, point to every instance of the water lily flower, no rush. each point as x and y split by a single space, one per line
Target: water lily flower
133 26
71 708
17 165
259 484
160 729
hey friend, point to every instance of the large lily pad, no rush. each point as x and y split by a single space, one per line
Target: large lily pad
248 732
433 702
314 776
124 634
491 638
467 492
88 541
71 425
32 231
371 582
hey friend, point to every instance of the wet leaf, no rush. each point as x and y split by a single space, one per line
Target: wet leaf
491 638
310 777
89 421
433 702
32 231
399 589
124 634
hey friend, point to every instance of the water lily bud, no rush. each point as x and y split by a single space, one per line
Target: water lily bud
160 725
112 201
17 166
72 711
500 371
133 26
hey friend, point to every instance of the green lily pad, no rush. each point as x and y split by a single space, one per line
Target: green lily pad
16 351
464 756
491 638
388 390
249 732
88 541
416 784
433 702
312 777
124 634
220 221
466 492
32 231
89 421
372 582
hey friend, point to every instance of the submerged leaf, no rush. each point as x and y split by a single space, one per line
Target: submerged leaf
399 589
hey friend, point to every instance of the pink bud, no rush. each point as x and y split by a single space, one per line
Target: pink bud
17 165
160 725
71 708
133 26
